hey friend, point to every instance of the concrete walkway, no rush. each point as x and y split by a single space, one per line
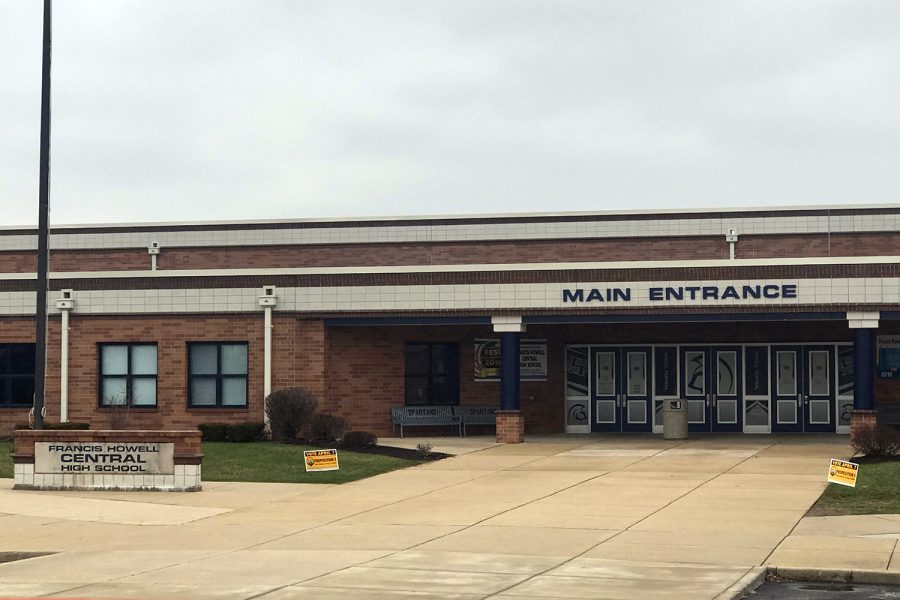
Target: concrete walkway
558 517
852 542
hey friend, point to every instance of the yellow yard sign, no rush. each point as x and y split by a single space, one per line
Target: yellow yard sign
321 460
843 472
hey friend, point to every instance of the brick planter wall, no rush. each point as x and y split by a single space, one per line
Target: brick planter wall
510 427
185 475
862 420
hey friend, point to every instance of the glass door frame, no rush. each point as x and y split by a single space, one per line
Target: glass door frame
811 396
624 401
738 397
775 352
710 379
598 396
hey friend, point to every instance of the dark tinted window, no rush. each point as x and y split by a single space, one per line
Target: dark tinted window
16 374
432 374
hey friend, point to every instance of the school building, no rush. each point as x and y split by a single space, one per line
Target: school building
760 320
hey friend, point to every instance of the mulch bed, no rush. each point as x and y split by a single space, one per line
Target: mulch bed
400 453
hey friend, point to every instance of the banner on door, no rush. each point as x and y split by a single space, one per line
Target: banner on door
532 360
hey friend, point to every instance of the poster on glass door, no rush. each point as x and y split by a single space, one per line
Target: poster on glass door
532 360
888 357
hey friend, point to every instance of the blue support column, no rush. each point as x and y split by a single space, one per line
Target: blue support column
864 369
509 371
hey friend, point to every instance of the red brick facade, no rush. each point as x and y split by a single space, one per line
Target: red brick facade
357 371
450 253
510 427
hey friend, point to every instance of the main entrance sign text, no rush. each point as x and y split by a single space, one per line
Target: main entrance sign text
685 293
110 458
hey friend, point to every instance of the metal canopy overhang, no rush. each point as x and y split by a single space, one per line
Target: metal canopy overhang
603 318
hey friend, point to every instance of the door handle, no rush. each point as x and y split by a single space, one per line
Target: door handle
714 401
707 401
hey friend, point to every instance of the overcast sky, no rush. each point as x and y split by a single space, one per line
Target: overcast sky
167 110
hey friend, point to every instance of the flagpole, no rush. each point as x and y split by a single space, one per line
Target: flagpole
40 337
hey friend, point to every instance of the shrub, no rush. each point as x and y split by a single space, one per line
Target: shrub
231 432
246 432
875 441
326 428
359 439
289 411
424 449
68 426
212 432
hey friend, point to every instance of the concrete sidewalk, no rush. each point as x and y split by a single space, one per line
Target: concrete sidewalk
852 542
559 517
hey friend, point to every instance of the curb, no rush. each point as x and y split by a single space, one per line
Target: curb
838 575
751 580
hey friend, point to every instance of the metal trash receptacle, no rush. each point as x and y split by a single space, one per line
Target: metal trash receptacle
675 420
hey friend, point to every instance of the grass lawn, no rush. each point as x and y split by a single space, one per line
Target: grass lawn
877 491
265 461
283 463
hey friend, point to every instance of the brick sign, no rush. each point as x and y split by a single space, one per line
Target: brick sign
108 458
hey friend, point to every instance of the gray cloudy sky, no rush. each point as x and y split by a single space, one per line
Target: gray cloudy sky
171 110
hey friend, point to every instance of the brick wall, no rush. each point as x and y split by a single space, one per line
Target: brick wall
77 260
366 376
356 372
562 250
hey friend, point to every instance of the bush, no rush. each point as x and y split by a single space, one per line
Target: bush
424 449
326 428
68 426
359 439
876 441
289 411
231 432
212 432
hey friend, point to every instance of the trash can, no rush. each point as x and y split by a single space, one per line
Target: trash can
675 419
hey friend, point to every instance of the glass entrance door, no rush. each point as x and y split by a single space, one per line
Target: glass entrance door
803 388
620 395
726 411
711 385
819 399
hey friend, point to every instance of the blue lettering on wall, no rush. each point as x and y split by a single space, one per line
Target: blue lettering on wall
681 293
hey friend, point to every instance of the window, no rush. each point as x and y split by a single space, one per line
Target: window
16 374
128 374
432 374
217 375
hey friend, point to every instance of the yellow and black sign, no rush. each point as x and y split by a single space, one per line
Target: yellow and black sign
321 460
842 472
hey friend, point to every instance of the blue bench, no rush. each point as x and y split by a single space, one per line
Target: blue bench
452 416
477 415
424 416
